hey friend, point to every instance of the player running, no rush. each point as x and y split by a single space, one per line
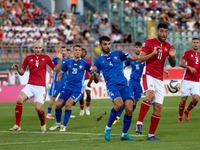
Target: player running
154 52
86 88
36 86
73 90
134 82
110 63
190 83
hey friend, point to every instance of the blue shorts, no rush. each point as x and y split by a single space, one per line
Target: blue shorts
66 94
136 88
122 91
56 88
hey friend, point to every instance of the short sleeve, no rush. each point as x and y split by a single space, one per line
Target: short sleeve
145 47
88 67
96 63
123 56
64 67
127 63
185 56
25 63
54 60
50 62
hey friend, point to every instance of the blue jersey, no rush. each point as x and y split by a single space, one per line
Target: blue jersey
76 74
137 69
64 77
112 68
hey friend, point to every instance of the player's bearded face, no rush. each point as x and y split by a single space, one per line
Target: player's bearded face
37 48
105 46
64 52
137 49
162 34
195 45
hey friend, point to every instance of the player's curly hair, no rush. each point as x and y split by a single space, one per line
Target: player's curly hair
162 25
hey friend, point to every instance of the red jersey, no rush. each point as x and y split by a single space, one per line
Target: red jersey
37 68
155 65
87 75
192 59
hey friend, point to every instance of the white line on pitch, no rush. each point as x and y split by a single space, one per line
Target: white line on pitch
135 135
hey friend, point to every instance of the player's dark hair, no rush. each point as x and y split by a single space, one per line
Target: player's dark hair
69 50
104 38
76 46
63 46
195 39
162 25
83 49
138 44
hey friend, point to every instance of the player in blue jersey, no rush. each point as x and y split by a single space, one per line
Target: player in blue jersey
134 82
57 87
73 90
110 63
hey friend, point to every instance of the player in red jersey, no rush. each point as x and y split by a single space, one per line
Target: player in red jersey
190 84
36 86
154 52
86 88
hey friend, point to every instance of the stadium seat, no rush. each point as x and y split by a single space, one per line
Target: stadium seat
127 19
114 8
189 34
195 34
170 35
177 40
183 34
177 35
184 40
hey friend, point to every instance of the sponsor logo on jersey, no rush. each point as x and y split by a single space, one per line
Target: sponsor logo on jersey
31 60
75 64
192 55
108 58
143 45
103 62
43 59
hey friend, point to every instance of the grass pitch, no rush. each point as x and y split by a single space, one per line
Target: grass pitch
86 133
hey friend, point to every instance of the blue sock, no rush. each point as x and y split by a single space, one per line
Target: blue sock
127 122
49 110
67 116
58 113
134 107
120 112
112 117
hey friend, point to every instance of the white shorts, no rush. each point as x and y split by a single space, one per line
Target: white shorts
151 83
189 87
85 87
38 91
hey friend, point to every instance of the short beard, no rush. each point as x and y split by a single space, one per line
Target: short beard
106 51
160 39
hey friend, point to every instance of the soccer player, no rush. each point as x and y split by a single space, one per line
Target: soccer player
56 87
36 86
86 88
154 52
190 83
134 82
73 90
110 63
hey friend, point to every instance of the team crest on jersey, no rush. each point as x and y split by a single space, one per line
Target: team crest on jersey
165 49
80 67
192 55
69 66
143 45
103 62
43 59
31 60
115 57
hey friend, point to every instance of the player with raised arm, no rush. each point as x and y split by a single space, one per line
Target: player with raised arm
110 63
86 88
36 86
154 52
190 83
56 87
73 90
134 82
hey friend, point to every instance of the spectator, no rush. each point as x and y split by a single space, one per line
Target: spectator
6 40
102 27
96 19
1 9
115 28
128 38
147 16
89 18
43 15
50 19
70 14
1 20
108 27
62 15
67 21
91 39
117 38
27 4
159 6
190 25
104 15
73 5
80 28
20 4
85 30
12 77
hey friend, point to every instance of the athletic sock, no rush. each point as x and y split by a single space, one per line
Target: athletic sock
41 116
82 107
58 113
143 110
154 123
112 117
120 112
49 110
67 116
191 106
18 113
87 104
181 109
127 122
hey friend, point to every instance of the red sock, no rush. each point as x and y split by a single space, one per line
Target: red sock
87 104
18 113
82 107
41 116
191 106
143 110
154 123
181 109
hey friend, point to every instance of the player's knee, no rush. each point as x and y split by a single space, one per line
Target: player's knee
38 108
129 111
20 99
158 108
119 104
68 106
196 99
150 96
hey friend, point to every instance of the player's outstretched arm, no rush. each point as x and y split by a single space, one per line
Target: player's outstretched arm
90 81
94 71
133 57
172 53
58 66
144 57
59 76
49 71
19 70
183 65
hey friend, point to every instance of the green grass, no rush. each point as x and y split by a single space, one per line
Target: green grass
174 135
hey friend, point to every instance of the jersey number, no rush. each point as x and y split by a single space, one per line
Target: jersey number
160 55
74 70
137 67
110 64
197 60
